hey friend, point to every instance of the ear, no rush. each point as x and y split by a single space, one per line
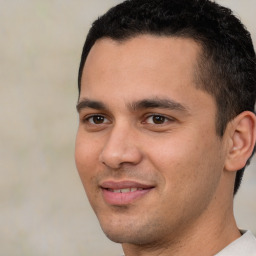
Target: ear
242 135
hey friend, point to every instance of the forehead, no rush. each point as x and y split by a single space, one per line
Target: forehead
142 67
146 51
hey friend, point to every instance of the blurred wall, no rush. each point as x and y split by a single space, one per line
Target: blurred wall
44 210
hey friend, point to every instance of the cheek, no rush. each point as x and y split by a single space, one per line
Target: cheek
86 157
186 162
189 174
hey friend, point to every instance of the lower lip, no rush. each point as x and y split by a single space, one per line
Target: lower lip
123 198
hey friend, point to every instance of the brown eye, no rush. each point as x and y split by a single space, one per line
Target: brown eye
157 119
97 119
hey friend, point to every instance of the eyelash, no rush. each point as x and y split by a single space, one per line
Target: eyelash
87 119
161 118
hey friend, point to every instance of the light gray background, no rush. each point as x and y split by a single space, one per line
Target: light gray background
43 208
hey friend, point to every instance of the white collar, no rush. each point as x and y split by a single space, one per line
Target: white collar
243 246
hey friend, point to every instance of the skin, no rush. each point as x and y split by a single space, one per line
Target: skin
143 119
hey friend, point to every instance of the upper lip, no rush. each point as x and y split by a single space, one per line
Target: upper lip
124 184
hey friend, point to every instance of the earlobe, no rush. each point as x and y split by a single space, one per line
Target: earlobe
242 136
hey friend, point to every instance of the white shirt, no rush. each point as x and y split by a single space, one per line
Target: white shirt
243 246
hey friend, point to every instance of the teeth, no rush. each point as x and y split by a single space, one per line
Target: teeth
125 190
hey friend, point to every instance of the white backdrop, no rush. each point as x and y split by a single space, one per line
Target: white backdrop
43 208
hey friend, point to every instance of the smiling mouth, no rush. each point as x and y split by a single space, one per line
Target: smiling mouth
124 190
123 193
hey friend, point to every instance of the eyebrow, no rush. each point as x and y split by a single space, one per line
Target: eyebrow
135 106
86 103
158 103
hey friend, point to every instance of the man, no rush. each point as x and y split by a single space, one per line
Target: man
166 104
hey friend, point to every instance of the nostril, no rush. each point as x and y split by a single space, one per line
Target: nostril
120 147
115 158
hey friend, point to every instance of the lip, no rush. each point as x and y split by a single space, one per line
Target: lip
119 198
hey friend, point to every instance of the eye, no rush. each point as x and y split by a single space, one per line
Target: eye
157 119
96 120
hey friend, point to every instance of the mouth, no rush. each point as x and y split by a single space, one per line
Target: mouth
123 193
124 190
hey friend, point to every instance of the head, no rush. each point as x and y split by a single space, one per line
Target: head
226 67
166 100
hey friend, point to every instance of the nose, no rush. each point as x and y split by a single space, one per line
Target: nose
121 147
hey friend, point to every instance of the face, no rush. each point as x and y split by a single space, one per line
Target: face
147 150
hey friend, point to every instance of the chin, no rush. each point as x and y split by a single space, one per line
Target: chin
127 238
117 232
130 233
117 237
